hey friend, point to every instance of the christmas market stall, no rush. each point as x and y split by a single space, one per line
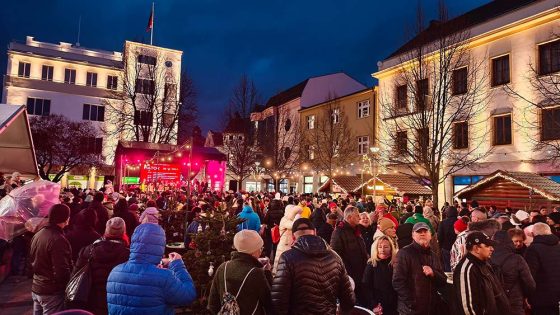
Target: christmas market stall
342 184
400 187
158 167
518 190
16 145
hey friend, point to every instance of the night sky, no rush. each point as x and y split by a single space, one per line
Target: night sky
276 43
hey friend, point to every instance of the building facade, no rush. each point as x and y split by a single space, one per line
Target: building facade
80 83
512 44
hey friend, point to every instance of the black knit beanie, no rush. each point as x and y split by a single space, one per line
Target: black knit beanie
59 214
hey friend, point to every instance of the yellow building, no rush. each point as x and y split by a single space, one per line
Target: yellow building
336 134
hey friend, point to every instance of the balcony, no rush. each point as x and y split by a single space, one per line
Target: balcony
60 87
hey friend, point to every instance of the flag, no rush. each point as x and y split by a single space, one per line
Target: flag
150 21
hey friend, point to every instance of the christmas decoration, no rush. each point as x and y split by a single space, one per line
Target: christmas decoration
214 245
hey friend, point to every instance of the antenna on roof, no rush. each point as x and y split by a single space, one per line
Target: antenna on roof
79 30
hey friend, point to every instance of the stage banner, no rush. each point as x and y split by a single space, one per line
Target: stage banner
160 172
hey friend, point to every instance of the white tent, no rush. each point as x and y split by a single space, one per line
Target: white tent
16 145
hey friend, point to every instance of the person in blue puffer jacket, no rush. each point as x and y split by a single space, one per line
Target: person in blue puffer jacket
252 220
140 286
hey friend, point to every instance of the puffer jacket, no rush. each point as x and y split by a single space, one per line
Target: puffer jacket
348 243
417 293
275 213
310 279
252 220
139 287
517 279
107 253
256 289
50 257
285 229
543 258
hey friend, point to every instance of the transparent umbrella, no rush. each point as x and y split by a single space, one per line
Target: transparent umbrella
26 208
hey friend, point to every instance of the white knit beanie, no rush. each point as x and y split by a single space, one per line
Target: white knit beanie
247 241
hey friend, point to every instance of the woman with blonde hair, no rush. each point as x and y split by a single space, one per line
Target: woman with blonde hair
377 281
285 229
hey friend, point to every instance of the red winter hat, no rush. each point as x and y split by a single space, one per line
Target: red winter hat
460 225
332 205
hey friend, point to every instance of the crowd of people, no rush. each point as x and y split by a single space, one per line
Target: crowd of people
301 254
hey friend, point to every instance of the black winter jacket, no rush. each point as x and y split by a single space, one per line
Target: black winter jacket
518 282
543 258
348 243
102 216
319 216
107 254
477 290
309 280
274 214
80 236
378 288
51 259
446 231
417 293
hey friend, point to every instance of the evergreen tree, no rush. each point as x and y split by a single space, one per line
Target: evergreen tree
210 247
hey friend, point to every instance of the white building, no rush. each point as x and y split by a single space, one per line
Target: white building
507 37
78 82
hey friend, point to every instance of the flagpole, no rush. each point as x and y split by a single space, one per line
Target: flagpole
152 29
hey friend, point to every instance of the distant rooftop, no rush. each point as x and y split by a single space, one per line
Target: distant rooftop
68 51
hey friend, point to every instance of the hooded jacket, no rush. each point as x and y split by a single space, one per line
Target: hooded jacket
543 258
252 220
310 279
285 229
139 287
446 231
275 213
517 279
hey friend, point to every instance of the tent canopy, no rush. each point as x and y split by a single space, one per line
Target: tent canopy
16 144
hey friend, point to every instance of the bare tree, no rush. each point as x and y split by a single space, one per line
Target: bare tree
243 100
279 143
147 108
331 143
540 102
242 156
188 111
434 120
62 144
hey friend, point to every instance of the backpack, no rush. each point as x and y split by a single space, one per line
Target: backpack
229 302
275 233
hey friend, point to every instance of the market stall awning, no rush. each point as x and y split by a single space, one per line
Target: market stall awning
16 144
400 184
514 189
343 184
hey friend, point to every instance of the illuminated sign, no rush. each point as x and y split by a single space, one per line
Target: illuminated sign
157 172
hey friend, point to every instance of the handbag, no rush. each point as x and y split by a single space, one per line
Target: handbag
79 286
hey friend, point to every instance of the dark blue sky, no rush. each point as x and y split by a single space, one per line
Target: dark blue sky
276 43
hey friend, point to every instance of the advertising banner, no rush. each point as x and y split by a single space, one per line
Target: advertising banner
160 172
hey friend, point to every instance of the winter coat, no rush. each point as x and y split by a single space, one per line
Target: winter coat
102 216
139 287
368 235
107 253
51 259
348 243
419 217
255 290
404 234
274 214
80 236
319 217
325 232
305 212
477 290
446 231
310 279
518 282
543 258
252 221
377 286
285 230
405 216
417 293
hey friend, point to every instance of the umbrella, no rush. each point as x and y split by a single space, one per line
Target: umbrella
26 208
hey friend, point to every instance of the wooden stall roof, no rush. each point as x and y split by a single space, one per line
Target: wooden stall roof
346 183
540 185
402 184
